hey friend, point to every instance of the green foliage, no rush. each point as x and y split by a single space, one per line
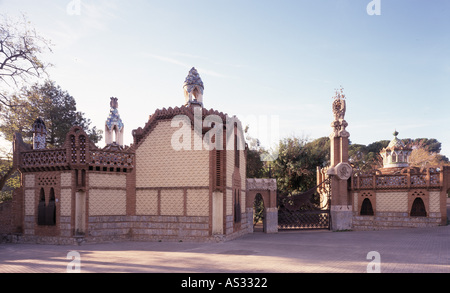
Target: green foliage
55 106
9 178
258 209
365 158
298 159
58 110
425 152
256 168
431 145
297 162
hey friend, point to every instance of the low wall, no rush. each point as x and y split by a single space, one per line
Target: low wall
135 228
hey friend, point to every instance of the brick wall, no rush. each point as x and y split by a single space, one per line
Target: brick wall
392 209
6 216
107 194
159 165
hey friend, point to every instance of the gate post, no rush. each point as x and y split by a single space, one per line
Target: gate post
340 170
272 211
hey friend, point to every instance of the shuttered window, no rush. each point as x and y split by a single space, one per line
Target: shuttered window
218 170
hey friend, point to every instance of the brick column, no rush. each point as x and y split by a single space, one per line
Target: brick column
340 170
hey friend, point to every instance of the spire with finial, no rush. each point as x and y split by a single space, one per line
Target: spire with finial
114 125
193 88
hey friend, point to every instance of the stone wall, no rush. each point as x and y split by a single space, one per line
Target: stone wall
390 220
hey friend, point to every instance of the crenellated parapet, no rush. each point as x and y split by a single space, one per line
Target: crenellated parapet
407 178
78 151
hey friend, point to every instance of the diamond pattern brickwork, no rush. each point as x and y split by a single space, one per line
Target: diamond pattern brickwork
29 202
172 202
242 171
66 201
392 201
197 202
29 181
107 180
435 200
147 202
230 167
160 165
107 202
243 198
66 179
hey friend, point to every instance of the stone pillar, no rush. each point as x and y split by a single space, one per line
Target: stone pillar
340 170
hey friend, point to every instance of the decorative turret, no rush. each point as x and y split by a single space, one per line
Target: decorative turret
114 125
396 154
39 134
193 88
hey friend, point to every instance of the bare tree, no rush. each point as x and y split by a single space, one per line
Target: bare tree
20 50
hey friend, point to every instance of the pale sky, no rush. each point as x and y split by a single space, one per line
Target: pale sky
274 59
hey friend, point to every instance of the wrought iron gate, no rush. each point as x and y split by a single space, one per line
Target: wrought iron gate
308 210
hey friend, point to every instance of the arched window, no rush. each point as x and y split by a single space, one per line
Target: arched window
218 180
50 215
41 208
418 208
237 206
366 208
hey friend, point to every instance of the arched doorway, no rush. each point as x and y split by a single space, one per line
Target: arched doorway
259 214
262 194
418 208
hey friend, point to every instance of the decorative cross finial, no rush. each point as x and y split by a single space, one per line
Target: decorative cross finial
113 103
